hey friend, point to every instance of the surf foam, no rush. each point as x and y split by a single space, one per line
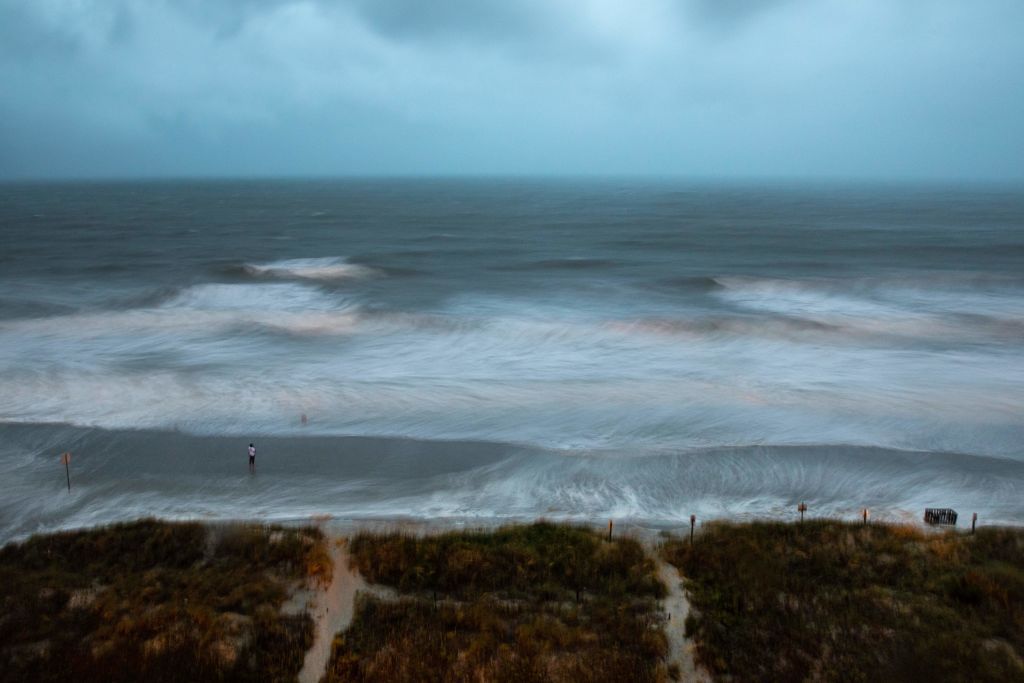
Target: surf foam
325 268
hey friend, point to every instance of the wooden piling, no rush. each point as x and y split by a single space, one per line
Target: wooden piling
66 459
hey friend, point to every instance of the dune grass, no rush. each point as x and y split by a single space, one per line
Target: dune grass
156 601
827 600
529 603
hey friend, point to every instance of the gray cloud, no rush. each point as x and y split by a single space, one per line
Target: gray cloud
731 14
897 88
454 19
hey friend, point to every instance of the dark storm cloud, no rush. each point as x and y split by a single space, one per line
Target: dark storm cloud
877 88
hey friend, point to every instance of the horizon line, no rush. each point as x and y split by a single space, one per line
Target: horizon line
654 178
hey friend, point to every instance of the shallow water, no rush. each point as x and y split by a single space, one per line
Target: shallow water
515 348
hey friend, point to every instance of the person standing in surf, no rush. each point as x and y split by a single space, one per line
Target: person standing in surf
252 458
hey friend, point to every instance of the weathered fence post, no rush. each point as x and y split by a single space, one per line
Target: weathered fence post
610 530
66 459
865 515
974 521
802 507
693 520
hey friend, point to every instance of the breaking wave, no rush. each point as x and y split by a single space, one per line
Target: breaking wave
326 268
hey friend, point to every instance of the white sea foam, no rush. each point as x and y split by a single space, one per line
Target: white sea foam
926 310
806 299
874 297
547 372
269 297
324 268
203 310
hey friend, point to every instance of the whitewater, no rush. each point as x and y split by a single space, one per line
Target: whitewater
489 350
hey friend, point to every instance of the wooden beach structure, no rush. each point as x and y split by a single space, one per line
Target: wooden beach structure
943 516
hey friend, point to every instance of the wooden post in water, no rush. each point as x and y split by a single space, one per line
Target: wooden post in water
693 520
802 507
974 521
66 459
609 531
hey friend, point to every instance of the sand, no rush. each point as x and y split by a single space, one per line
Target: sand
333 609
677 606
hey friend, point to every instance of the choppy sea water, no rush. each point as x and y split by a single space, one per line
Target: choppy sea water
480 350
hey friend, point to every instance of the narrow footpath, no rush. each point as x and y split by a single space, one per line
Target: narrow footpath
333 608
332 612
680 648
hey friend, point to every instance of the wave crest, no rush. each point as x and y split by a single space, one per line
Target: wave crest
325 268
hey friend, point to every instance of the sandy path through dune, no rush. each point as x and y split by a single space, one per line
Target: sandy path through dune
680 648
332 612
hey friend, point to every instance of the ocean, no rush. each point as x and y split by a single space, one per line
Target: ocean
475 351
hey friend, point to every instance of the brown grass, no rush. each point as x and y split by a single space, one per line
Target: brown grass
529 603
834 601
156 601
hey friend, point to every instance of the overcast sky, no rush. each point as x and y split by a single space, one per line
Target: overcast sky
888 89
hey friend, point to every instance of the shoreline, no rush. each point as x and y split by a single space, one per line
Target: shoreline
343 529
363 481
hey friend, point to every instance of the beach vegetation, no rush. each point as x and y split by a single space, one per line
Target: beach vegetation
542 602
836 601
157 601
